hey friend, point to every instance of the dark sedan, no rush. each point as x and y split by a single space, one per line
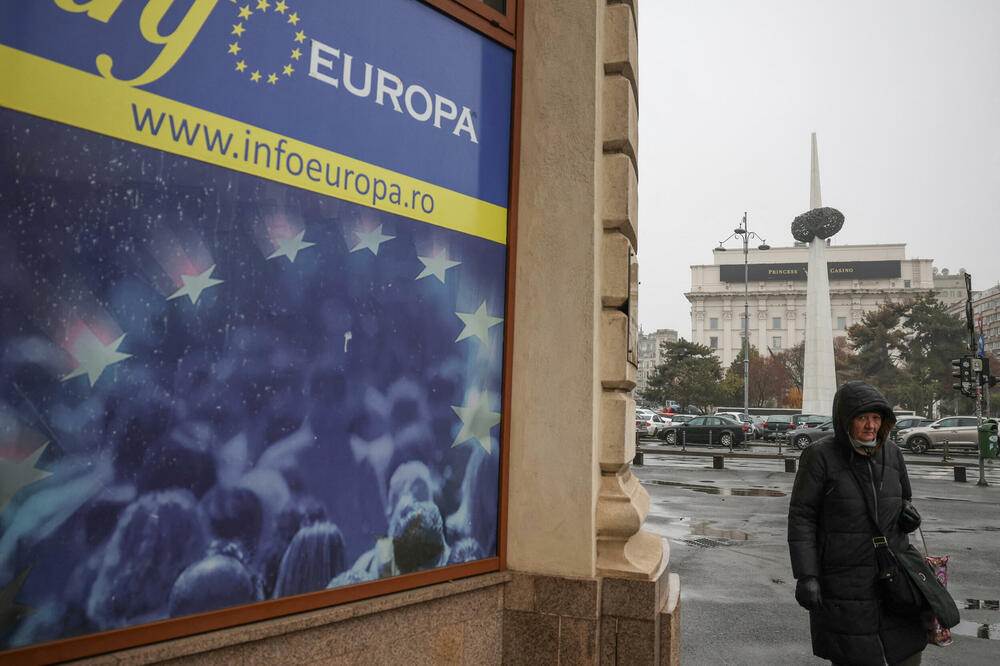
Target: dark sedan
804 437
712 430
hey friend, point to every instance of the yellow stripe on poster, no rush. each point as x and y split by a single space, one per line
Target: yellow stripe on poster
47 89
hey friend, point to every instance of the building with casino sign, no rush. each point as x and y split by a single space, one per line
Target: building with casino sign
862 277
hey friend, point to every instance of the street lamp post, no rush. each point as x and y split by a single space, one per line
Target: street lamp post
746 234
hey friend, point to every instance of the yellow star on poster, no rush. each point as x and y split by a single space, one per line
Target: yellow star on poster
293 18
477 324
300 36
296 54
255 77
263 5
288 70
234 48
17 475
245 12
238 30
272 78
281 7
195 284
94 357
241 65
477 421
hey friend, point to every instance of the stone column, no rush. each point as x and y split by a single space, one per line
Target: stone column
586 575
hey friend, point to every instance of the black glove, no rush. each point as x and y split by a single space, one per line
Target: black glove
807 593
909 517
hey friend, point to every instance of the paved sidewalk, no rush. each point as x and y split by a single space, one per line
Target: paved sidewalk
727 537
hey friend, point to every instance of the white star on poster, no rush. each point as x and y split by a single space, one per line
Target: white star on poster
94 357
371 240
290 247
11 611
17 475
436 265
477 324
195 284
477 420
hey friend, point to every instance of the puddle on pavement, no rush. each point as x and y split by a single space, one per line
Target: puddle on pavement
713 490
699 533
977 630
702 528
978 604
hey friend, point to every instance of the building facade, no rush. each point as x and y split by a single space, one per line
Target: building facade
650 355
985 311
862 277
949 287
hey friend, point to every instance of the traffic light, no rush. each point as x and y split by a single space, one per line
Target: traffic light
962 370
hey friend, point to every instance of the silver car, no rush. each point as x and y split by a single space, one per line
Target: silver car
959 431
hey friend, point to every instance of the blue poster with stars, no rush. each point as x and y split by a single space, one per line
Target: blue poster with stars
252 284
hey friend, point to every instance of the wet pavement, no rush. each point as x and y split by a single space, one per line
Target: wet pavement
726 529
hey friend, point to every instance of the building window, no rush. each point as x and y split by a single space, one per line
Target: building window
775 322
713 342
776 342
841 322
906 284
713 323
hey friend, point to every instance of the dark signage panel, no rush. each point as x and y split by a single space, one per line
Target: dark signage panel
837 270
251 303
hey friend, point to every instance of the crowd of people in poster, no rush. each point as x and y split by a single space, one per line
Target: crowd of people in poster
216 390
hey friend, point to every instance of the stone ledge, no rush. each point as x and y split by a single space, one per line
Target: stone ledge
235 639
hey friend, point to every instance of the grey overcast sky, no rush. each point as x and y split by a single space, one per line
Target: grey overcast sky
904 97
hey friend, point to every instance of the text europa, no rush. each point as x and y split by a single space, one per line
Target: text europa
418 102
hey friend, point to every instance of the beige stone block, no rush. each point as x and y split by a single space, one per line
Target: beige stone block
670 625
634 598
616 254
578 641
613 339
617 430
620 197
620 117
621 44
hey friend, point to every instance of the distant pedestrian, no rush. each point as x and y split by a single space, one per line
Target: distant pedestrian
845 484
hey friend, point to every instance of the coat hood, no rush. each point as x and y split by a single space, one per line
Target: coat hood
859 397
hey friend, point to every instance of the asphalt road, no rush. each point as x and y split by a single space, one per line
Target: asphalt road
726 529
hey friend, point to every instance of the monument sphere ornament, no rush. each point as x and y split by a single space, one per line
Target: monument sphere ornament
817 223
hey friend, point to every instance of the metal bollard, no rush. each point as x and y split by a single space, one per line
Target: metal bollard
960 474
718 462
945 457
790 465
637 460
684 440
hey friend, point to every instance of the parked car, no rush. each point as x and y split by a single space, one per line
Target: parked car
672 420
714 430
961 432
754 431
777 425
804 436
649 424
906 422
808 420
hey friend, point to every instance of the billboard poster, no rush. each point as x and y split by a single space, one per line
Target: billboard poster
252 282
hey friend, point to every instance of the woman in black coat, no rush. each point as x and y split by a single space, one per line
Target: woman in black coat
843 483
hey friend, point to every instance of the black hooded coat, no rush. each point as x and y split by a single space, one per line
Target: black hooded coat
830 531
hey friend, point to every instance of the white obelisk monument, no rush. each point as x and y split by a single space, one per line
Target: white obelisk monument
819 378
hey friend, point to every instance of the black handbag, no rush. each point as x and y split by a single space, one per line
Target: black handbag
900 594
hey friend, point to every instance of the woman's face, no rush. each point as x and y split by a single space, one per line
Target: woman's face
864 427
